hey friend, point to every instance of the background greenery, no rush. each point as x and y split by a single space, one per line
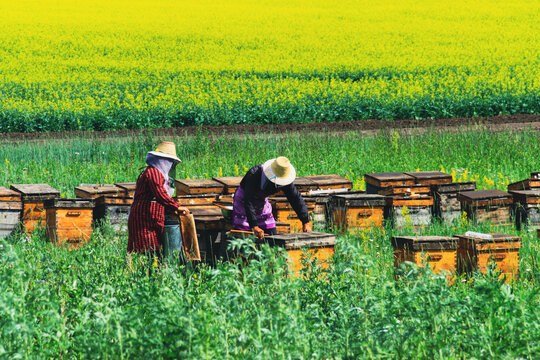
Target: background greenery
140 64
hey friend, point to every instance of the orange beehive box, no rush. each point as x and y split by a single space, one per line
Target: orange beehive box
440 252
416 211
527 208
33 196
356 211
283 212
319 245
527 184
198 186
69 221
9 195
128 188
93 191
230 183
405 191
475 252
487 206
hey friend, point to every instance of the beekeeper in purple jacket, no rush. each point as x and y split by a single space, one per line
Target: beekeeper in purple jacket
252 210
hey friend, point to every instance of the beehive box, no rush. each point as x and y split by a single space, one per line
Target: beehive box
321 212
446 205
127 188
356 211
283 228
527 184
527 208
475 253
330 182
198 186
283 212
487 206
427 178
202 199
69 221
414 211
376 182
230 183
440 252
319 245
114 209
10 216
93 191
33 196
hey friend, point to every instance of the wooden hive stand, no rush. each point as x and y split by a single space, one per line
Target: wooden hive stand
69 221
319 245
487 206
440 252
446 205
33 196
527 208
10 211
475 252
356 211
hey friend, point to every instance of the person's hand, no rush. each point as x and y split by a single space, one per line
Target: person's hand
306 227
182 210
259 233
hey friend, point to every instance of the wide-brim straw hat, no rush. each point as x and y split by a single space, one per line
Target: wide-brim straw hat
167 150
279 171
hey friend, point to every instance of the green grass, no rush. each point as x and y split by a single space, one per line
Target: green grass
96 303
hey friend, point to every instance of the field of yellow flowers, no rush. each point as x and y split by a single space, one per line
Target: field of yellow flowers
101 64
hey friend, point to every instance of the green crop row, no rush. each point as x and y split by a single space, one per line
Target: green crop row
96 66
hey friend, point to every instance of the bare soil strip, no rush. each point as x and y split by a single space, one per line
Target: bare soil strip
518 122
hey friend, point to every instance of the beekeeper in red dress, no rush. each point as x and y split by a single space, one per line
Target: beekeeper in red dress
152 200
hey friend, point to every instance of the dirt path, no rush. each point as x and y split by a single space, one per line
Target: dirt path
497 123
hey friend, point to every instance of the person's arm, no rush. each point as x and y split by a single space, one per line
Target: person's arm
299 205
158 190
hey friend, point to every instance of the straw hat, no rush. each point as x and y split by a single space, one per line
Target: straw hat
279 171
166 150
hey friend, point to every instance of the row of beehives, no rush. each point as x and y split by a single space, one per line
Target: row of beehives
405 198
461 254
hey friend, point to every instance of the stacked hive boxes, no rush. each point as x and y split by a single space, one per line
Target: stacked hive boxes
492 207
10 211
33 197
526 195
112 202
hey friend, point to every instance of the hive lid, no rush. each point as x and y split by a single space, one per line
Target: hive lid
7 194
492 194
389 179
489 237
304 182
232 181
127 186
430 177
199 183
422 243
69 203
454 187
300 240
94 190
41 191
323 181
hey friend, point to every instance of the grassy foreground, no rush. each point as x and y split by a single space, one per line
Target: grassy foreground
97 303
141 64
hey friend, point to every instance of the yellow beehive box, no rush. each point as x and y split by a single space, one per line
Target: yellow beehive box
33 196
69 221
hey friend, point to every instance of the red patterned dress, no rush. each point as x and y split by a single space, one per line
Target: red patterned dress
147 215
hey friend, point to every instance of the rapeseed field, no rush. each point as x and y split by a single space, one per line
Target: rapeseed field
68 65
